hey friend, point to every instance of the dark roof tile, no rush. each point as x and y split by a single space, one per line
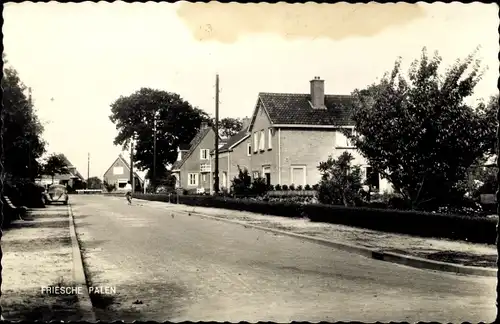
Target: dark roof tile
296 109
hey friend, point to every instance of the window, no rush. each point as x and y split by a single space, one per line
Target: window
256 174
342 139
249 149
262 142
204 177
269 139
118 170
298 175
372 178
204 154
255 142
192 179
122 183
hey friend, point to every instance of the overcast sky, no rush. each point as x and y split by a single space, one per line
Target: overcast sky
84 56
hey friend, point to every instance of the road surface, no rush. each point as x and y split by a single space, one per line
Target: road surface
178 267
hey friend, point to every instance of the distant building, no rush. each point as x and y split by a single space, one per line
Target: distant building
119 174
71 177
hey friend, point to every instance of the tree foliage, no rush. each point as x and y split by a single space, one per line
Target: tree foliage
340 181
242 184
177 122
229 126
94 183
55 164
417 131
22 130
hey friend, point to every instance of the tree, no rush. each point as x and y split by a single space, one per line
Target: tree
94 183
229 126
340 181
242 184
417 131
177 122
21 131
55 164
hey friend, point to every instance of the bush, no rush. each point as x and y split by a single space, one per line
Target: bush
110 187
315 187
307 187
277 187
242 184
284 188
300 188
259 186
292 187
471 229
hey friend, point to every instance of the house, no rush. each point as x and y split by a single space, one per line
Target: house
71 177
193 168
290 134
233 154
119 174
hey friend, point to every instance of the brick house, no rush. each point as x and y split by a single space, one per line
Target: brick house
119 174
193 169
235 152
290 134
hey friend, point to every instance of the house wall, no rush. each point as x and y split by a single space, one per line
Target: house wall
267 157
192 164
223 167
239 157
112 178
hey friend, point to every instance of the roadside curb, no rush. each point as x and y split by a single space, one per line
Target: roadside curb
79 274
411 261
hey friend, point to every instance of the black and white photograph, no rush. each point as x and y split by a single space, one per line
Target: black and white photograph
210 161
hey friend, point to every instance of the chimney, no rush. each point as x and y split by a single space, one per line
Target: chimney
318 93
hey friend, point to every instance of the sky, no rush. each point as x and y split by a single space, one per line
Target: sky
79 58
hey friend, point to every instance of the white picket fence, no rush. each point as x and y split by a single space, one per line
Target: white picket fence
89 191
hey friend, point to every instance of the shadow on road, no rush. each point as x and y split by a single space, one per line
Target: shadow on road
34 224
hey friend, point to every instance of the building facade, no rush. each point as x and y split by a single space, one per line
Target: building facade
118 174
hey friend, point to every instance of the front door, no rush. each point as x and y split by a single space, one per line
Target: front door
267 175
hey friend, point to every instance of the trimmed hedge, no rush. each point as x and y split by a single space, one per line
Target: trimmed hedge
471 229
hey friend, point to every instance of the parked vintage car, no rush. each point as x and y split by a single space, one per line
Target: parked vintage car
56 193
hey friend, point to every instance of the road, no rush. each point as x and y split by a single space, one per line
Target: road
188 268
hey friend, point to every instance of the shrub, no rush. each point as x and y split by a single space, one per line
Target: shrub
277 187
340 181
284 188
242 184
299 187
259 186
307 187
315 187
292 187
472 229
110 187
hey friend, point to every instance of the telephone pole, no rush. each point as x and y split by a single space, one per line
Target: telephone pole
30 102
88 170
216 171
132 178
154 155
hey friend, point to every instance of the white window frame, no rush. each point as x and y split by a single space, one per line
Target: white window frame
117 167
224 179
254 173
249 149
119 181
191 184
207 151
255 142
296 167
262 140
269 139
203 177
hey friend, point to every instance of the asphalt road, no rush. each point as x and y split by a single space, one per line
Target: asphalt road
187 268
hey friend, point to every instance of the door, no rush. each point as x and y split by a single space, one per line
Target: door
298 176
267 175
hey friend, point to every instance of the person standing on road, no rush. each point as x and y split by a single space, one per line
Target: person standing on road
128 192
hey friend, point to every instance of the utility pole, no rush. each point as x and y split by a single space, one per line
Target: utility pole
132 178
154 154
29 139
216 171
88 170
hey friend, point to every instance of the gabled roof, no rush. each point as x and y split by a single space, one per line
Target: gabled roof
296 109
192 146
120 157
233 141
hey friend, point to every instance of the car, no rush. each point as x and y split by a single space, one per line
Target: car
56 193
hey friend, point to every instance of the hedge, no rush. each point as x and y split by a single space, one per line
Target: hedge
471 229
